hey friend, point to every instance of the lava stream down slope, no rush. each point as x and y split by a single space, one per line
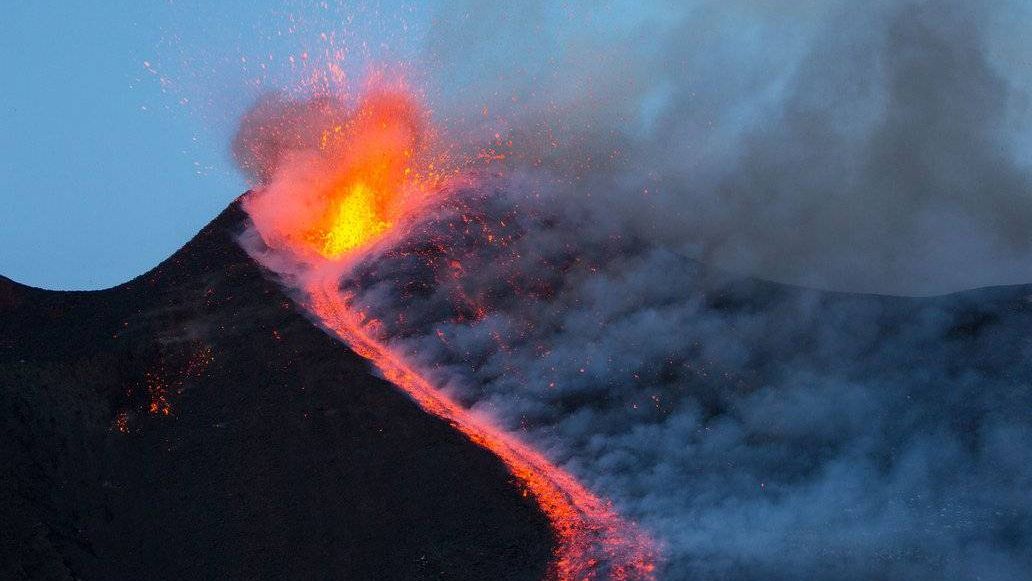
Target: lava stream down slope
353 176
593 542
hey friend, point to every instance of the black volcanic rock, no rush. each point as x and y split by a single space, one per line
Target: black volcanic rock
280 457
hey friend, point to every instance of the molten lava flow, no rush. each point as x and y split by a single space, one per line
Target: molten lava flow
593 542
347 178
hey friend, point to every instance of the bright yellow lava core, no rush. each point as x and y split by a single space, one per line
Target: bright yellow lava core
356 222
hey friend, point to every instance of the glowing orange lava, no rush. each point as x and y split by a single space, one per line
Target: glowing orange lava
344 174
593 541
355 222
372 151
361 173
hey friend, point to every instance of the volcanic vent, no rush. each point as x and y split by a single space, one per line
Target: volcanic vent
193 424
339 179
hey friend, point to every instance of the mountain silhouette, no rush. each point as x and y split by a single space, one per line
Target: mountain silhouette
193 424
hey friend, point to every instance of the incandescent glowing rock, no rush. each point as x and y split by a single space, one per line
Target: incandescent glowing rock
356 221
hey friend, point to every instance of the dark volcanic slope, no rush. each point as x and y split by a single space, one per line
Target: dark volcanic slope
280 457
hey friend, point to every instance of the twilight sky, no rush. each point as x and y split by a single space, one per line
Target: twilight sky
870 146
98 166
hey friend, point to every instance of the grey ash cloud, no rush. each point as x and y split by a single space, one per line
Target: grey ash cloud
865 146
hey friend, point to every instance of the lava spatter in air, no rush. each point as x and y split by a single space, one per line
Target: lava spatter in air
339 179
336 175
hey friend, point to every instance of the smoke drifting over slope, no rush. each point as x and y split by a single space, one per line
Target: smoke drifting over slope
761 431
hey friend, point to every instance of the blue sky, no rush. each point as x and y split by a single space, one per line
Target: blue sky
108 164
98 176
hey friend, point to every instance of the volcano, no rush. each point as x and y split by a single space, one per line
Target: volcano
193 424
198 423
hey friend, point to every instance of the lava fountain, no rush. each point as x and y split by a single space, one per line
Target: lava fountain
340 180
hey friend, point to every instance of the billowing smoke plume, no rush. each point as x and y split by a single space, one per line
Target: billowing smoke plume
761 431
866 146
